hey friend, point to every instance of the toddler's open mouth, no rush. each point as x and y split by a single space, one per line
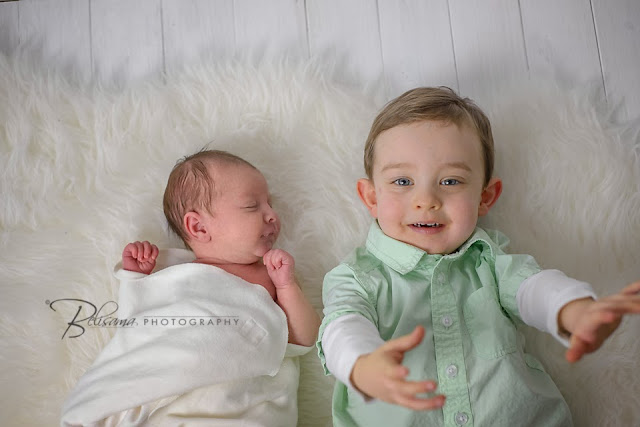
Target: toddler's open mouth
427 225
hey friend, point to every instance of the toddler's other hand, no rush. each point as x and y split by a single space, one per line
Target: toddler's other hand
595 321
280 267
139 257
381 375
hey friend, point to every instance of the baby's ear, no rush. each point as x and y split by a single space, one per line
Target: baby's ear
195 228
490 196
367 193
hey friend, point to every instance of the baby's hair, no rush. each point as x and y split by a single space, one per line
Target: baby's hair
190 187
432 104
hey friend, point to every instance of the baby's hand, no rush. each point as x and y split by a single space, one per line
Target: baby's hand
139 257
381 375
280 268
592 322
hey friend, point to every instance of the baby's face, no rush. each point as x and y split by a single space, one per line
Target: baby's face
243 225
427 182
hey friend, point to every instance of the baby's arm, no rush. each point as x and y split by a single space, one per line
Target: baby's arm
302 319
139 257
590 322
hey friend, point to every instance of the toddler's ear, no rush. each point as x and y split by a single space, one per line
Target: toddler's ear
367 193
195 228
490 196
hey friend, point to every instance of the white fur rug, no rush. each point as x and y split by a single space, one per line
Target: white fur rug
83 169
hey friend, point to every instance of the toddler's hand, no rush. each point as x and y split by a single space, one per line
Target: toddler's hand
280 267
381 375
139 257
595 321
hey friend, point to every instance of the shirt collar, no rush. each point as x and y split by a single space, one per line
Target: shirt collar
404 258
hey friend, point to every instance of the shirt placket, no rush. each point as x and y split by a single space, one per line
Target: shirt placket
447 336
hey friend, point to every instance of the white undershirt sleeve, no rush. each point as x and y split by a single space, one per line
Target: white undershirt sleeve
344 340
541 296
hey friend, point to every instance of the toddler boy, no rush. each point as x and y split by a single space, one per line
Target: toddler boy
429 280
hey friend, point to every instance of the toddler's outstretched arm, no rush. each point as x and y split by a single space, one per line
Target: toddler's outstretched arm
592 322
139 257
380 374
302 319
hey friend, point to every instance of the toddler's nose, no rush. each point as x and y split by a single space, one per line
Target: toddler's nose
426 199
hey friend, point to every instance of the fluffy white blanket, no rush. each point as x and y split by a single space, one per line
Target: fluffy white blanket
83 168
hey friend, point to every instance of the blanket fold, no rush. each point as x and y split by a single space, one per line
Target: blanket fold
191 326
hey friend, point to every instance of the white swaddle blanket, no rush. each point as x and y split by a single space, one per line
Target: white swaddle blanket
204 344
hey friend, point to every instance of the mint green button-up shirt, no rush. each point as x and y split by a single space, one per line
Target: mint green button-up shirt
467 303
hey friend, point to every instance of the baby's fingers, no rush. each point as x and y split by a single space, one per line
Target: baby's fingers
270 259
146 250
132 249
154 252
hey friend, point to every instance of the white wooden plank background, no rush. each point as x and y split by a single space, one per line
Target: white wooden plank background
417 48
473 46
489 45
210 31
618 30
561 40
267 27
126 39
66 26
347 31
9 29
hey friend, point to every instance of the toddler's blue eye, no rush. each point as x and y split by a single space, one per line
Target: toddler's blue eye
449 181
403 182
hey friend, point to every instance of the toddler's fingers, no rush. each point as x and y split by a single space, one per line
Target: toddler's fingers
154 252
619 307
406 342
397 372
409 389
421 404
632 289
576 350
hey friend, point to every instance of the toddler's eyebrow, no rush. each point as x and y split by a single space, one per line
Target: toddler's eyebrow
459 165
456 165
395 166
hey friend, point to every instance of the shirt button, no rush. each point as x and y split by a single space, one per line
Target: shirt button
461 418
447 321
452 371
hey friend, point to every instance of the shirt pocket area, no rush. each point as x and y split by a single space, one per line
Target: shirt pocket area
492 332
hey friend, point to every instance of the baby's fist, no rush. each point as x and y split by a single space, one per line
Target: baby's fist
139 257
280 266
